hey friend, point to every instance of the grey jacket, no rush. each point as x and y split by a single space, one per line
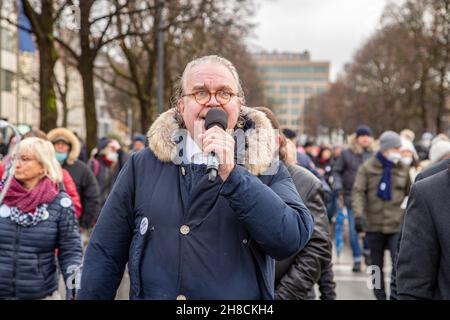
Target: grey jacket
296 275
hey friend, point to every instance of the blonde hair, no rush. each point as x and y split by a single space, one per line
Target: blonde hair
45 154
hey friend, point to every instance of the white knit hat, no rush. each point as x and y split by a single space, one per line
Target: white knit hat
438 150
408 145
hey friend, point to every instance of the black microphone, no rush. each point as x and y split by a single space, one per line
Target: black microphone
215 117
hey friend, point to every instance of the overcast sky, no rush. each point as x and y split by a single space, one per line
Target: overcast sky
331 30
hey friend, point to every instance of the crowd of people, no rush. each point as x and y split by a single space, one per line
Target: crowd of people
252 233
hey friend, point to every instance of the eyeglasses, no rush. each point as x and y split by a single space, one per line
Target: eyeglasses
25 159
203 96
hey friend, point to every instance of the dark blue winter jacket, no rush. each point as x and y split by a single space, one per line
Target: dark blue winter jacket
186 237
27 254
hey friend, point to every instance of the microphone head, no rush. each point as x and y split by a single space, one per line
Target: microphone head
216 117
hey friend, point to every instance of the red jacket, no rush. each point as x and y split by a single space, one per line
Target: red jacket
71 190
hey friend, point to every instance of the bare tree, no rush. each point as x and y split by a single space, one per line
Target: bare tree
43 15
96 30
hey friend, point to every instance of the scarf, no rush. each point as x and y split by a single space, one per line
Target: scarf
384 187
106 161
28 200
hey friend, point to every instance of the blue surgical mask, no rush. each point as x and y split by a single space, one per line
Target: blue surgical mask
61 157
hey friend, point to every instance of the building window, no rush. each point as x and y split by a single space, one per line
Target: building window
295 101
7 40
283 89
295 111
281 111
308 90
296 89
6 80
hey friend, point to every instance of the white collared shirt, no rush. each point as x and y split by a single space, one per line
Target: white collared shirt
193 153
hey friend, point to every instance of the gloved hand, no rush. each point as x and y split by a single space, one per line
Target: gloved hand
359 225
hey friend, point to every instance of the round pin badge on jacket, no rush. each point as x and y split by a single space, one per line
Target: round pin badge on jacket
144 226
66 202
5 211
45 215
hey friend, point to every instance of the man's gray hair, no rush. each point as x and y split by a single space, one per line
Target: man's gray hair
179 89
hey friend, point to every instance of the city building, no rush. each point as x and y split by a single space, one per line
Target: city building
8 63
289 80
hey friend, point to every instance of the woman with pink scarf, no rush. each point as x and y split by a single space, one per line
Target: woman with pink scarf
36 217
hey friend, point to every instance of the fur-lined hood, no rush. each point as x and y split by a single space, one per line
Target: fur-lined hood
73 140
260 142
357 149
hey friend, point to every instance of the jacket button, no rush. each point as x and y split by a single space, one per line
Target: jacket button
184 229
245 241
181 297
183 171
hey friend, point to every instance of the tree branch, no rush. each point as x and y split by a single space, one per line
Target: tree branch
72 52
114 85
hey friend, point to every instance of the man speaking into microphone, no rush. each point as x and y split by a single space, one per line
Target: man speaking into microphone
190 220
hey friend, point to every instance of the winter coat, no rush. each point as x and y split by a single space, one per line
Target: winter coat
27 254
424 260
430 171
185 237
71 190
106 175
296 276
379 215
83 177
433 169
346 166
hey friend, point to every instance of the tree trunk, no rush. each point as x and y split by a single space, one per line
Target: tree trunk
42 27
90 114
422 101
65 111
442 101
47 96
144 107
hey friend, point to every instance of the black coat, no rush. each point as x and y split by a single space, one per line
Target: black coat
27 254
345 168
428 172
296 275
424 260
88 190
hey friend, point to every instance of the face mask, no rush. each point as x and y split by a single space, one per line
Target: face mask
394 157
113 156
61 157
407 161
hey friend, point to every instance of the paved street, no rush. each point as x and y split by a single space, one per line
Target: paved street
350 285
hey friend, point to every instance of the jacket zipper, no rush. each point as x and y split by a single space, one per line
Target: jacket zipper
16 245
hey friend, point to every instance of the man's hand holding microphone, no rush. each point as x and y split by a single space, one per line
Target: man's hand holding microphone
217 144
